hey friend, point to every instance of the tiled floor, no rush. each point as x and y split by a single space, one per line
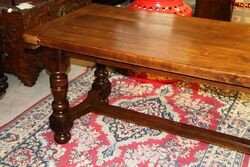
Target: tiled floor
19 97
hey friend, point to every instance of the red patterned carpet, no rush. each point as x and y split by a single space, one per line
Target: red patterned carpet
103 141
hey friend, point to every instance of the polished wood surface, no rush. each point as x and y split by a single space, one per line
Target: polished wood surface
208 49
188 48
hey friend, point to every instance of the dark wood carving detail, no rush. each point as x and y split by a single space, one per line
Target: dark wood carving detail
15 60
3 78
3 81
27 66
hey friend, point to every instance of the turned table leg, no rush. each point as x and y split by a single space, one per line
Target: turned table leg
102 83
60 121
101 89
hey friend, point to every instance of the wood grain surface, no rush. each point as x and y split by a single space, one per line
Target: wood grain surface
188 48
207 49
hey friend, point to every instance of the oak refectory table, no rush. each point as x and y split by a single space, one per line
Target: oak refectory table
193 49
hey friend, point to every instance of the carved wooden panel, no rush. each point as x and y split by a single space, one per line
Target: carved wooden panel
15 60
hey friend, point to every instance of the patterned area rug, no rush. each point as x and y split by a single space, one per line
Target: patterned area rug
103 141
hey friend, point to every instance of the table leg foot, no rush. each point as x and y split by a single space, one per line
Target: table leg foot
62 138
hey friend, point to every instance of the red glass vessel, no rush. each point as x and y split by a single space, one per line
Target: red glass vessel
164 6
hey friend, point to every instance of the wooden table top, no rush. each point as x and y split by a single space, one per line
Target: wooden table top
207 49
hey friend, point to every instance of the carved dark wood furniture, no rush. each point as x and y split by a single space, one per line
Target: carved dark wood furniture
15 60
3 78
214 9
3 82
194 49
